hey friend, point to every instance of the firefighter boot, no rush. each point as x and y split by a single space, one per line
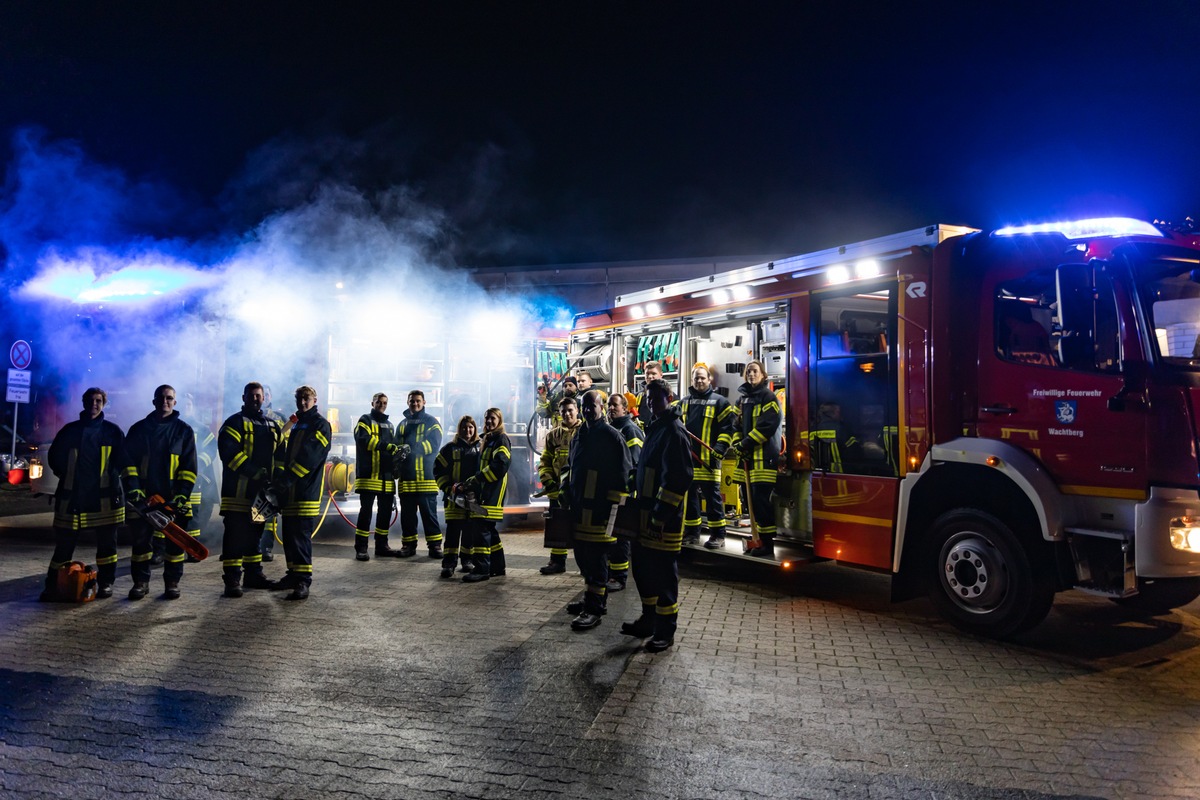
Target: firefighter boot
642 627
586 621
435 551
360 548
557 564
170 590
383 549
138 591
257 580
715 542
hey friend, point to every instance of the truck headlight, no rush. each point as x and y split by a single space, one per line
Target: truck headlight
1185 534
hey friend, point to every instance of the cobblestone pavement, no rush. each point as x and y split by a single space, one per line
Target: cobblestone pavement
390 683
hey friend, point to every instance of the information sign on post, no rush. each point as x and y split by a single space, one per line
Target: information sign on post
19 383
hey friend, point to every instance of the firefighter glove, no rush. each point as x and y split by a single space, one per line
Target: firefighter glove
182 505
136 497
392 448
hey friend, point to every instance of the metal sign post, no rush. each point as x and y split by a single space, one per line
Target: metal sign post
20 380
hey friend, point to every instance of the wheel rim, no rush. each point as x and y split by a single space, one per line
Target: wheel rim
974 573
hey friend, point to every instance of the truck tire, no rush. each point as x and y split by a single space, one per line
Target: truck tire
1158 596
982 576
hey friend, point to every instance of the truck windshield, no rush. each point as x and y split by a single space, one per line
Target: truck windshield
1170 290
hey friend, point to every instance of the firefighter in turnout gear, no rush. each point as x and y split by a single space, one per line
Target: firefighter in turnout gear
299 483
246 445
204 493
653 371
374 448
593 484
270 532
88 458
711 419
551 466
489 485
832 440
664 474
618 553
758 450
422 434
457 461
161 449
549 406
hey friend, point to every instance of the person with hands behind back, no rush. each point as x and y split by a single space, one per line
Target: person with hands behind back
298 482
375 449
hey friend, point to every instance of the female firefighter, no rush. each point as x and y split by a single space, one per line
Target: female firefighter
758 450
457 461
488 486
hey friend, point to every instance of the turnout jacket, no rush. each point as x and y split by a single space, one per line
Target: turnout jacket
88 457
456 462
711 418
761 436
423 434
554 457
300 466
246 445
162 457
664 474
206 454
492 477
373 440
595 479
632 433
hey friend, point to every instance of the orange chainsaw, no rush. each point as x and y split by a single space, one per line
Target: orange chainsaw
161 517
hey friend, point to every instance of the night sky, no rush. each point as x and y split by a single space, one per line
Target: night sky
565 132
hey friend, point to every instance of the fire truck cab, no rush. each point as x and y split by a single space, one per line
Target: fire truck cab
988 416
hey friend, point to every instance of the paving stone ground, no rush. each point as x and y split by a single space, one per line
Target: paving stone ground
390 683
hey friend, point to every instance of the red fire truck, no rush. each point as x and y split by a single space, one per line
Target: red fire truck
1004 414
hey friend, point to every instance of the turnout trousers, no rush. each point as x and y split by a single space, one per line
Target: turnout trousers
65 540
704 503
458 544
656 574
424 504
487 551
144 538
383 521
764 511
240 547
297 548
592 558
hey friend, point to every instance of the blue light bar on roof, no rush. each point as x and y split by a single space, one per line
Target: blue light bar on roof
1087 228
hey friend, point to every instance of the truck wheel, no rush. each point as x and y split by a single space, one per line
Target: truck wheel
1158 596
982 577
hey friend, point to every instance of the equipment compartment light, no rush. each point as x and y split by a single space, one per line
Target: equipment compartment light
637 312
741 292
839 273
720 296
1087 228
868 268
653 309
1185 534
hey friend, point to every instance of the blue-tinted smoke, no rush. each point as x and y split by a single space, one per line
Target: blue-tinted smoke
111 295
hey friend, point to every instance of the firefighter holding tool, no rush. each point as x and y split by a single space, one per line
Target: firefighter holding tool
246 444
161 450
87 456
